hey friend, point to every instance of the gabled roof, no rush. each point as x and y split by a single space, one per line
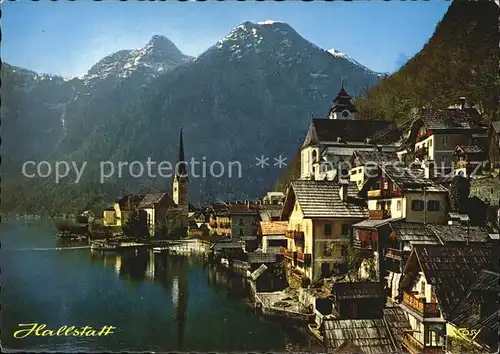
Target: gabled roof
415 233
442 119
130 200
151 199
358 290
464 316
468 149
322 199
348 130
459 233
273 227
398 323
371 336
451 269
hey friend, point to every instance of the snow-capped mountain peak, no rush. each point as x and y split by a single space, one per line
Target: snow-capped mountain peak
159 55
339 54
268 22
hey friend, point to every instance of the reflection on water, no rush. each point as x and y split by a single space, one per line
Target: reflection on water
158 302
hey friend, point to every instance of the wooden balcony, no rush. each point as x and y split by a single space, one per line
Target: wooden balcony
394 253
425 309
378 214
374 193
362 245
415 347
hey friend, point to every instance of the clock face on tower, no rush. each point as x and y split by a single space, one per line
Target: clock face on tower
345 113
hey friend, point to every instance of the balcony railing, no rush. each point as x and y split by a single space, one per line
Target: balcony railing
374 193
378 214
425 309
364 245
393 253
415 347
294 234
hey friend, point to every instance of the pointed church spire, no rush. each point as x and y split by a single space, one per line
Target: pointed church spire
181 171
342 84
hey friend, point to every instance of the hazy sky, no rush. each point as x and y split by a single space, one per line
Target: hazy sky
67 38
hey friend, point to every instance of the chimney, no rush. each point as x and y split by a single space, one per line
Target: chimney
462 102
343 189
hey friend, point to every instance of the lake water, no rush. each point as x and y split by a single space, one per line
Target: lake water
156 302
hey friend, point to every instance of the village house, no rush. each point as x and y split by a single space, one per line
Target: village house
494 144
272 234
381 334
473 326
119 213
245 224
434 282
366 163
331 142
435 133
156 207
398 192
467 160
274 198
222 221
320 214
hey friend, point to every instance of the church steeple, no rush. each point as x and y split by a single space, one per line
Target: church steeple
180 180
181 170
342 106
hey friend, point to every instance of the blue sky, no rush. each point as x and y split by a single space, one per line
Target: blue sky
67 38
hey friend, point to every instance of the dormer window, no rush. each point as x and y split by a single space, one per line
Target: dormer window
345 113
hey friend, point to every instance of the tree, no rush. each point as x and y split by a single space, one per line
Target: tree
176 224
459 194
353 257
137 225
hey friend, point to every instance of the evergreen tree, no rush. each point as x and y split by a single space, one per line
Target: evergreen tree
459 194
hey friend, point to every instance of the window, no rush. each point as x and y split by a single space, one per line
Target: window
277 243
444 141
345 229
433 205
398 205
417 205
328 229
327 252
422 288
430 143
241 232
241 222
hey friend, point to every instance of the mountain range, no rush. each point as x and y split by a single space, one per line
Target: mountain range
250 94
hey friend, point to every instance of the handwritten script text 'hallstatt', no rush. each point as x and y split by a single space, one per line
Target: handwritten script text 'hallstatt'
40 330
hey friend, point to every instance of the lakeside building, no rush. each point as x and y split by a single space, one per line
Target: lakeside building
330 142
320 214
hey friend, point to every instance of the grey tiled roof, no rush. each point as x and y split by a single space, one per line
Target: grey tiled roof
377 157
484 289
358 290
415 233
322 199
459 233
370 335
452 269
398 323
150 199
328 130
436 119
